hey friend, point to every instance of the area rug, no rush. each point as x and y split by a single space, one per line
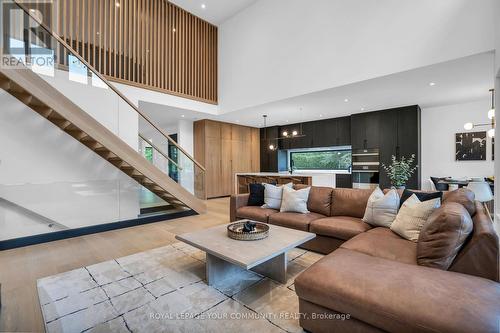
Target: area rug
164 290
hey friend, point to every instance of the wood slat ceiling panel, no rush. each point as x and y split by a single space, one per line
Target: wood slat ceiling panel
151 44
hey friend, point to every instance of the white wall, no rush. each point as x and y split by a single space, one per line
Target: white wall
48 172
439 125
277 49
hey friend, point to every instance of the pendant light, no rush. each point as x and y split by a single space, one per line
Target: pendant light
271 146
491 116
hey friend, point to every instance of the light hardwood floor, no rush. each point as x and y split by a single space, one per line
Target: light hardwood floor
20 268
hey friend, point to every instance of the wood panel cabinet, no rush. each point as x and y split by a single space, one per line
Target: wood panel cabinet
225 149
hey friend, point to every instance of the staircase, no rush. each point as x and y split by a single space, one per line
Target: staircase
47 100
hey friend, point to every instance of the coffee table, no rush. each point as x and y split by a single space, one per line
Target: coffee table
226 256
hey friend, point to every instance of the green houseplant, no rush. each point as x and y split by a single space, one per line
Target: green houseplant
399 171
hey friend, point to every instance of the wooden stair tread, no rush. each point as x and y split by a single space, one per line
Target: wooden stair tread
53 116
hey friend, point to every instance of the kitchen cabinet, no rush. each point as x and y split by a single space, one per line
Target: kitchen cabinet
225 149
343 181
365 131
395 132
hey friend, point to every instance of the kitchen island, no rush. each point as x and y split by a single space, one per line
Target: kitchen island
311 178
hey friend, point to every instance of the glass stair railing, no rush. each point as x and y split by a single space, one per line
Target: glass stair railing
51 78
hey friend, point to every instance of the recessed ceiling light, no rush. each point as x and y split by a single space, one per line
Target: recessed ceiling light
362 109
432 84
321 115
182 115
346 100
203 6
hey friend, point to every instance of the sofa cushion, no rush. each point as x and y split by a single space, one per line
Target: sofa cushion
382 246
385 232
349 202
256 197
479 256
320 199
396 297
294 220
443 236
463 196
255 213
381 209
342 227
295 200
422 196
273 195
412 216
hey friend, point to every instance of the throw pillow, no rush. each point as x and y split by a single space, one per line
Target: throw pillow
443 236
295 200
422 196
381 209
256 197
463 196
273 195
412 216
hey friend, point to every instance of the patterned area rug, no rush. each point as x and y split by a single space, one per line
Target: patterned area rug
164 290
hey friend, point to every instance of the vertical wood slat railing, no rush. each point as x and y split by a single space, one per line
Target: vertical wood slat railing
151 44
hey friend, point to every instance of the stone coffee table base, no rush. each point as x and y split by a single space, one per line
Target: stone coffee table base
218 270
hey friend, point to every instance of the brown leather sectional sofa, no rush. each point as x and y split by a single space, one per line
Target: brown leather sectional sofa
370 280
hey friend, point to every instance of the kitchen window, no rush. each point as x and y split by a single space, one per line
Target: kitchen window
321 159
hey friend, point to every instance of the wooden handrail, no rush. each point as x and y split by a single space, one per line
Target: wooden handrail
132 105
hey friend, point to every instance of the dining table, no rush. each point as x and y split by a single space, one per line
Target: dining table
454 184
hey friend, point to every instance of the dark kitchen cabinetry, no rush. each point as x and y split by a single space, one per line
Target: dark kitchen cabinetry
316 134
394 132
365 133
343 181
332 132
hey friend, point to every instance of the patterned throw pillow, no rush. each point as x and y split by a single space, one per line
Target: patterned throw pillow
295 200
381 209
412 217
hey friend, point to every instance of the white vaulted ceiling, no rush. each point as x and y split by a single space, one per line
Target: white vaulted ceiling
215 11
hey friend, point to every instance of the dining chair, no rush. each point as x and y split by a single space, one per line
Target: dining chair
482 192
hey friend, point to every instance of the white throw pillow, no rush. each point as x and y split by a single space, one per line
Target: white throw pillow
295 200
412 217
273 195
381 209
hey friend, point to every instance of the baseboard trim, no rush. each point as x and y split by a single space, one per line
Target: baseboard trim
64 234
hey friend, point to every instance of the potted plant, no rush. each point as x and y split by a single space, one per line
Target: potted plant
399 171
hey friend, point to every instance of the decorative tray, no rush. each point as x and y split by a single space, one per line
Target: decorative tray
247 230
